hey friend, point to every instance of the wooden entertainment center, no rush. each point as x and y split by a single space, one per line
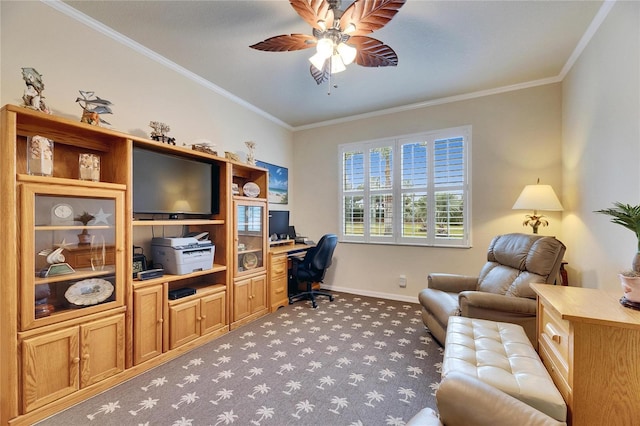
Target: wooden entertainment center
70 332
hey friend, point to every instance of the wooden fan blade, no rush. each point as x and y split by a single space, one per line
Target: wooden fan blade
373 53
313 11
321 76
369 15
286 43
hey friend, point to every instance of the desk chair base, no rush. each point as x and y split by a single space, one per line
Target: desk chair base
310 294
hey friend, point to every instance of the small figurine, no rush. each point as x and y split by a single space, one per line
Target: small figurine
56 261
159 132
204 145
33 97
92 108
251 156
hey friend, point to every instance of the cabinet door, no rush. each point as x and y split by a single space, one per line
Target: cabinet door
250 237
71 252
241 294
258 298
102 349
50 367
213 312
147 323
184 323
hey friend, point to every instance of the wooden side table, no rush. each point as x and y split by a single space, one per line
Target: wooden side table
590 345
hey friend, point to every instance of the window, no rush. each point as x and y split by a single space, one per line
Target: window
407 190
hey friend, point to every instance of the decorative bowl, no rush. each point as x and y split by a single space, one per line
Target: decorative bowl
250 189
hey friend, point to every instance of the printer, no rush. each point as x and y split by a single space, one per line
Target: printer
182 255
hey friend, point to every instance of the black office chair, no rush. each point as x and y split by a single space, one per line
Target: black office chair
311 269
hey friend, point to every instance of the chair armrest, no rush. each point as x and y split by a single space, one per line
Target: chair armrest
452 283
479 304
464 400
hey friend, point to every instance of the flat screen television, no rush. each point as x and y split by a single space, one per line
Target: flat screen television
279 223
168 184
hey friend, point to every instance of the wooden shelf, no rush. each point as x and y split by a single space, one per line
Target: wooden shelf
177 222
79 274
171 278
52 180
201 290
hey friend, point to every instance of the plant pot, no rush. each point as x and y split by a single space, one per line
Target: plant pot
631 288
84 238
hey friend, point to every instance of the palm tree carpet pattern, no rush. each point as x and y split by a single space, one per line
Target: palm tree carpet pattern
355 361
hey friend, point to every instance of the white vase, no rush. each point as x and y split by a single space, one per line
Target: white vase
631 288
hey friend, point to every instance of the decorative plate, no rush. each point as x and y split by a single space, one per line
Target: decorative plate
89 292
249 260
250 189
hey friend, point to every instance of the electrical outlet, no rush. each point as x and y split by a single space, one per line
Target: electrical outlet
402 281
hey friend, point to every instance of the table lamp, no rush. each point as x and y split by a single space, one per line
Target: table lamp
537 197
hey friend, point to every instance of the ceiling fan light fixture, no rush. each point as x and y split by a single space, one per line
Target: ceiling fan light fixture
317 61
332 28
350 28
336 64
324 47
347 53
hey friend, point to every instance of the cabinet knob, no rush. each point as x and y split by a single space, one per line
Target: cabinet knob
160 320
75 360
85 357
204 317
551 331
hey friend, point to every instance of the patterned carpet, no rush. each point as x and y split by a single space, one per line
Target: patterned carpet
355 361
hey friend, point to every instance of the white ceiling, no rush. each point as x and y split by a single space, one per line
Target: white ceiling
445 49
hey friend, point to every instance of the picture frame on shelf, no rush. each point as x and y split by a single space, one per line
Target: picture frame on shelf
278 182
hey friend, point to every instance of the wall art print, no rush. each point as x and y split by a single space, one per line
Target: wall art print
278 182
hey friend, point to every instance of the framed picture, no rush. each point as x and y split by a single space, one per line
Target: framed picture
278 182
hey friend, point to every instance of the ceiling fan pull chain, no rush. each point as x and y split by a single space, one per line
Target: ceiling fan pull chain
330 75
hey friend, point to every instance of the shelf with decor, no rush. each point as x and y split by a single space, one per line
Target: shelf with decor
64 298
250 293
72 307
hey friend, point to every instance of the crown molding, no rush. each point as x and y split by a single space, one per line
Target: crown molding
126 41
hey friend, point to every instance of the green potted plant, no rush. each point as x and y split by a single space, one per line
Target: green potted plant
629 217
84 218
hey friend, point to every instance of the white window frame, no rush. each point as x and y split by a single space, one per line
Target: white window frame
396 143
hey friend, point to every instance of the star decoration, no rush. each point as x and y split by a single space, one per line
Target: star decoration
101 217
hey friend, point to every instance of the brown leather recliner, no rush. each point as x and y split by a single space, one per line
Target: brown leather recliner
501 292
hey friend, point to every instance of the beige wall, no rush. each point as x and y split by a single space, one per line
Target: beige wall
601 153
71 56
516 138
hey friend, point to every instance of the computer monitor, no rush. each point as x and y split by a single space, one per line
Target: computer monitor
279 223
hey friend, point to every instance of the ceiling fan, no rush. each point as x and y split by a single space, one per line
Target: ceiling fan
339 36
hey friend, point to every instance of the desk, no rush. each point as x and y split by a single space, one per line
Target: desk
279 272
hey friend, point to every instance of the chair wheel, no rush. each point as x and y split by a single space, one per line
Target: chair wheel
330 298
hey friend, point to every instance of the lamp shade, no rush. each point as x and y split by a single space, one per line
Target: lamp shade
538 197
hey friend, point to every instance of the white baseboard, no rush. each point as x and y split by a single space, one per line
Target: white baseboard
390 296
